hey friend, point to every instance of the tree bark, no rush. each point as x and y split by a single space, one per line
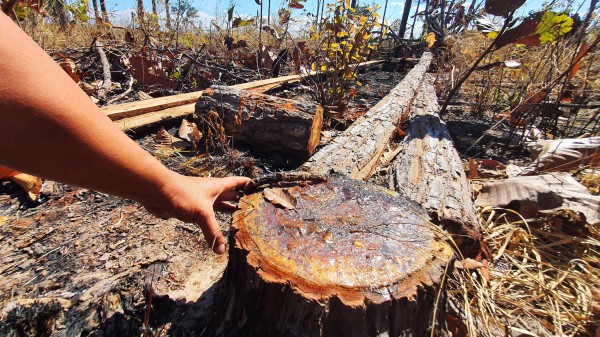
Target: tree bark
154 11
350 259
356 152
168 14
97 17
405 13
61 14
140 12
429 170
104 11
268 124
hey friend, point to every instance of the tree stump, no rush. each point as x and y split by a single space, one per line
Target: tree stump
340 258
267 123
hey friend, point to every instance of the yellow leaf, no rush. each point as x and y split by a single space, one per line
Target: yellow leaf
359 83
32 185
323 67
430 39
313 66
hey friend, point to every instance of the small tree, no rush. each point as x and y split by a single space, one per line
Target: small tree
345 39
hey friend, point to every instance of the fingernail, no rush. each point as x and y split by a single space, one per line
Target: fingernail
220 249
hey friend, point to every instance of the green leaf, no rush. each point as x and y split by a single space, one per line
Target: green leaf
553 25
239 22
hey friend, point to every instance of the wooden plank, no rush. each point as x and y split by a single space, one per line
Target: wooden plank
131 123
116 112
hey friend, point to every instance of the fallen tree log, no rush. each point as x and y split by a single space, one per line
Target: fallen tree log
269 124
356 152
429 170
340 258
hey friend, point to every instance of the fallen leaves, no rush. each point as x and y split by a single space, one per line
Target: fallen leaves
31 184
280 197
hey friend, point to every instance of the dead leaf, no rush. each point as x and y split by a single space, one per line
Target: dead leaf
502 7
456 326
7 173
147 71
189 131
239 22
472 169
524 33
296 59
281 197
430 39
229 14
296 5
70 68
284 16
31 184
583 49
485 270
467 263
563 154
271 31
164 138
546 193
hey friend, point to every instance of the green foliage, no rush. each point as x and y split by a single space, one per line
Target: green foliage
344 38
79 10
553 25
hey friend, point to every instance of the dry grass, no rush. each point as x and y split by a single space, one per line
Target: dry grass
541 282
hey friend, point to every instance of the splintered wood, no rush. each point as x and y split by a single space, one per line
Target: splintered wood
356 152
349 259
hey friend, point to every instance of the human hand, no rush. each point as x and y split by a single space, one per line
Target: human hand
194 199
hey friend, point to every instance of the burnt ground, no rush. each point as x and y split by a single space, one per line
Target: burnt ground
79 262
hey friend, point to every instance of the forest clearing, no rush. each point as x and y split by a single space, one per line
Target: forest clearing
430 171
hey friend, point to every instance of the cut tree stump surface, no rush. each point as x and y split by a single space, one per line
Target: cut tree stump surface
342 261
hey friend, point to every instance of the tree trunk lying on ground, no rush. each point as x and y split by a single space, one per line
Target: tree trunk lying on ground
429 170
267 123
356 152
340 258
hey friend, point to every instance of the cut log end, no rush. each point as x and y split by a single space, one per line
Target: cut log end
345 246
268 124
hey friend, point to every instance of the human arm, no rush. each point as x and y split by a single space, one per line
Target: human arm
51 128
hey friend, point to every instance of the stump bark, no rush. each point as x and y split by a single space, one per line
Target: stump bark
268 124
356 152
343 259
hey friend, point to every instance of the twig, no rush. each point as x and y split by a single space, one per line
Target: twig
105 88
125 93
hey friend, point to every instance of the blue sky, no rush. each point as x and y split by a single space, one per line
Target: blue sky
210 9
